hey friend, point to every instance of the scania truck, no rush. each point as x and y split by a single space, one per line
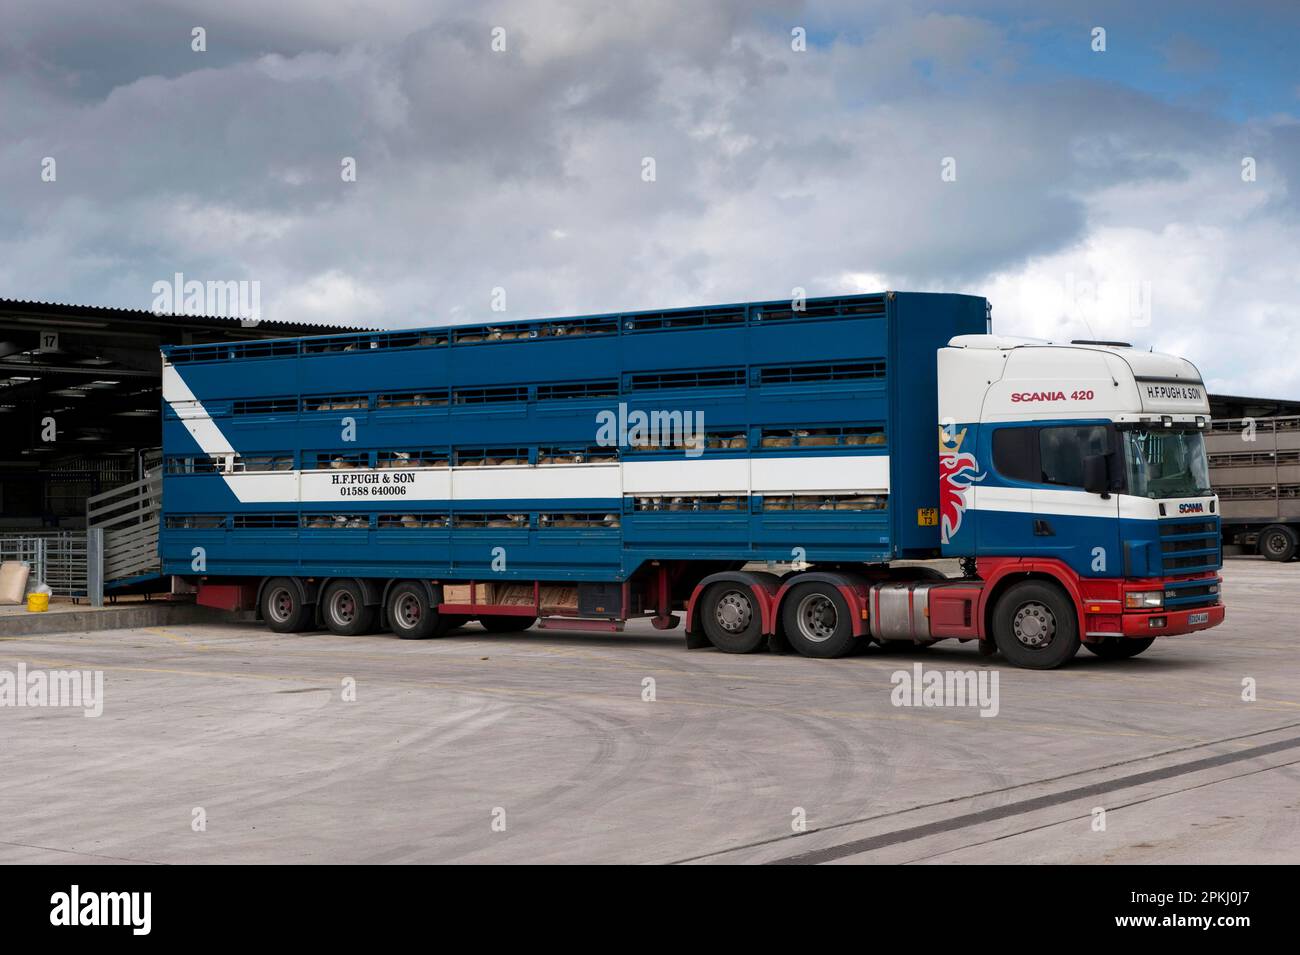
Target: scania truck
771 475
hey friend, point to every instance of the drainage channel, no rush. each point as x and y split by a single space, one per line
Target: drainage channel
1018 807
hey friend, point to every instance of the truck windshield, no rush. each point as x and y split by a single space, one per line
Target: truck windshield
1166 463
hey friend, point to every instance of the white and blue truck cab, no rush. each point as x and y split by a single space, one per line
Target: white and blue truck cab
1082 465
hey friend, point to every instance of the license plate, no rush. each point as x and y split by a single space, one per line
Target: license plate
1194 618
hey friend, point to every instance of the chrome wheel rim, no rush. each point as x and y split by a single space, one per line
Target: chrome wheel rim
343 607
734 612
817 618
1034 625
280 605
407 611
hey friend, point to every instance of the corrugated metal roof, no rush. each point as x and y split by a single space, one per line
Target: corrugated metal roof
69 309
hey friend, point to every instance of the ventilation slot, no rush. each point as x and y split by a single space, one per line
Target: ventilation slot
822 372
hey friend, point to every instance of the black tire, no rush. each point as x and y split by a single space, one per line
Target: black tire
506 623
344 611
410 616
1277 542
816 620
731 618
1120 648
1035 626
282 609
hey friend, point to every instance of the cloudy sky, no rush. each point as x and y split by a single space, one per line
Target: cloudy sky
1150 191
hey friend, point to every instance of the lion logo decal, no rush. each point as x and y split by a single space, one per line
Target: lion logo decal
958 470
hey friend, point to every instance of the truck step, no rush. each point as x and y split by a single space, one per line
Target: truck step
579 623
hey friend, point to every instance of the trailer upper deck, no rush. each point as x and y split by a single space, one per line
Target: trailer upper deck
419 452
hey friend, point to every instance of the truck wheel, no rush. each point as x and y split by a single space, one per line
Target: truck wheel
1035 626
1277 542
344 610
1120 648
731 617
409 614
282 609
506 623
817 621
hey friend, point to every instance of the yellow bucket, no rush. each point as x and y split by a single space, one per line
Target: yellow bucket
38 603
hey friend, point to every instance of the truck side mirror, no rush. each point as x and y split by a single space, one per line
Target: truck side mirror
1096 474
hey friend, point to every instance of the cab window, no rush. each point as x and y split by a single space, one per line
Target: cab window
1015 454
1047 455
1062 450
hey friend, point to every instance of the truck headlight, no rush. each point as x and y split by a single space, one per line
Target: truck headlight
1144 600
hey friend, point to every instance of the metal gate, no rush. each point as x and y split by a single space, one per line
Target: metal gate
56 557
128 516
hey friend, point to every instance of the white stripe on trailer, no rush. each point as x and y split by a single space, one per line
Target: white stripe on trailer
522 481
855 474
686 476
190 410
354 486
805 474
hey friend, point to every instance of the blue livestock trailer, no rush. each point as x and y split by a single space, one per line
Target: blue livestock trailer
580 472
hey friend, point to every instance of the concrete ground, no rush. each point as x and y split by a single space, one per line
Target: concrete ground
12 612
540 747
66 616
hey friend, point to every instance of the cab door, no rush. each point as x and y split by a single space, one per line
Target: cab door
1069 523
1003 497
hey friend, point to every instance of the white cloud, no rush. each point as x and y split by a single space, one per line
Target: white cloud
776 169
332 297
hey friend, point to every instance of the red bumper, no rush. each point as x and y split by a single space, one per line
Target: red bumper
1175 621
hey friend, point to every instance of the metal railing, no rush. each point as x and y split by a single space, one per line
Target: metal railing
56 557
24 550
128 517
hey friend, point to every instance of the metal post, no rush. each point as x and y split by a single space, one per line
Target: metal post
95 566
40 572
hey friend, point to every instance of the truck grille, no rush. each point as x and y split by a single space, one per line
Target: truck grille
1190 594
1189 547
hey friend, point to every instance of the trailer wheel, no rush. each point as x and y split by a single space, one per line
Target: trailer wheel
506 623
731 617
1120 648
344 610
282 608
410 615
1035 626
1277 542
817 621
